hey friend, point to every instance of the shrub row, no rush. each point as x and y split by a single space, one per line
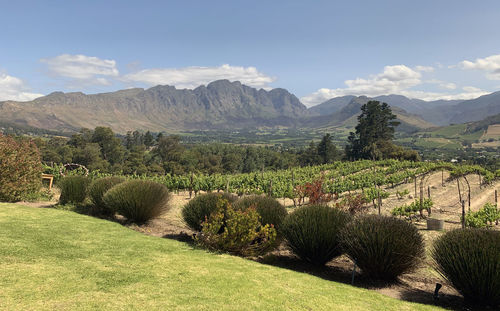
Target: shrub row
137 200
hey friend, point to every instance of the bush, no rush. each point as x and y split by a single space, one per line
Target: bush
382 246
313 232
483 218
138 200
236 231
20 169
97 190
73 189
470 260
199 209
270 210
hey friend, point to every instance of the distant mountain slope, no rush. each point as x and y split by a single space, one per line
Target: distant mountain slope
347 117
220 104
439 112
476 109
331 106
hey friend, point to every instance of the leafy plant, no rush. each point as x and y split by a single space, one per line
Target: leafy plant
470 260
236 231
138 200
401 194
20 169
313 232
413 208
97 190
196 211
270 210
485 217
353 203
382 246
73 189
315 192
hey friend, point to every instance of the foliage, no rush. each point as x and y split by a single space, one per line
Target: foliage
353 203
138 200
375 128
269 209
97 190
20 168
73 189
413 208
373 193
196 211
236 231
313 232
314 191
485 217
470 260
401 194
383 247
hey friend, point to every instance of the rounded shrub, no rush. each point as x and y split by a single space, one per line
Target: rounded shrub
271 211
97 190
138 200
313 232
470 260
196 211
383 247
73 189
20 169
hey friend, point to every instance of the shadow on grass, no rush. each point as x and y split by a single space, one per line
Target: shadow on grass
341 271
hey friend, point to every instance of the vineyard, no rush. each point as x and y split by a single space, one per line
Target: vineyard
369 177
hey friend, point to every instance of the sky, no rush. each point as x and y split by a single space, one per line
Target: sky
315 49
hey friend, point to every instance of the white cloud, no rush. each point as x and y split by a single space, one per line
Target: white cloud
442 84
82 69
424 68
191 77
490 64
398 79
12 88
393 80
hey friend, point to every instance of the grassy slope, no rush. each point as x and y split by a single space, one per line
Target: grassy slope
61 260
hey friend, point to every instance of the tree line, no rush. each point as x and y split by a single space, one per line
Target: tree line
156 154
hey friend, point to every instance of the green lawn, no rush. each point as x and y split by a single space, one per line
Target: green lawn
59 260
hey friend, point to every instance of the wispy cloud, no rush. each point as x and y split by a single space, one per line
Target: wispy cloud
82 70
490 64
12 88
191 77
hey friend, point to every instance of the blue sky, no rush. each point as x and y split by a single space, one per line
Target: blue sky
315 49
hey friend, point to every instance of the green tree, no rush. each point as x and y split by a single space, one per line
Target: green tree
375 130
326 150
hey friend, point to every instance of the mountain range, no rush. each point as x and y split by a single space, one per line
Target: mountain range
226 105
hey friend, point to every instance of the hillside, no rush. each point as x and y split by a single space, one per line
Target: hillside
346 117
61 260
439 112
220 104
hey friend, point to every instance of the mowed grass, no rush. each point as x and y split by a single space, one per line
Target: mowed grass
60 260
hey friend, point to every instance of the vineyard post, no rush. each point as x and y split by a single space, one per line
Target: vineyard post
422 193
271 188
496 203
227 185
479 176
379 203
415 181
463 214
191 185
442 178
459 194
